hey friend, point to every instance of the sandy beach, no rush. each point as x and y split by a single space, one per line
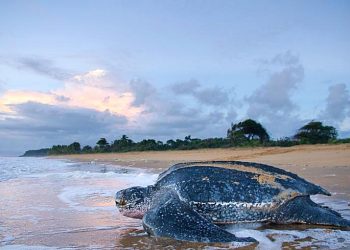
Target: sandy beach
60 203
326 165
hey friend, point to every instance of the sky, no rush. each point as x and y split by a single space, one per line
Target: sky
82 70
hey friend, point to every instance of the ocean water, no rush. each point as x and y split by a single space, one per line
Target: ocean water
54 204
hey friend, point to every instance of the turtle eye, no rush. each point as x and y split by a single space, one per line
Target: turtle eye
120 202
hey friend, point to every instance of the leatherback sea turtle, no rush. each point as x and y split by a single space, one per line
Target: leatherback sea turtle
190 200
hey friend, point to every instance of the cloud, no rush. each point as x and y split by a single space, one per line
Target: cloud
143 91
43 67
88 92
170 125
337 110
231 115
167 112
282 59
34 122
86 106
275 95
99 98
50 119
94 78
11 97
272 101
91 75
62 98
186 88
337 103
175 126
344 126
95 101
212 96
168 115
147 109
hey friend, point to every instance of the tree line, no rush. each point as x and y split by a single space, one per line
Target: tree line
248 133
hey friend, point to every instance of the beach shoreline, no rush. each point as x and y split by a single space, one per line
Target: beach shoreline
77 206
321 155
326 165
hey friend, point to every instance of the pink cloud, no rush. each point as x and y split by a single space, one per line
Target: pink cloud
92 90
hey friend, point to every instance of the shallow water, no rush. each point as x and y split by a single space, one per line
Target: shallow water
51 204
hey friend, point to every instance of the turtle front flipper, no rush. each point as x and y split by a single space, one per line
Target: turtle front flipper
303 210
170 217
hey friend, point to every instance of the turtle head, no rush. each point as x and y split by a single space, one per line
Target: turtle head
133 202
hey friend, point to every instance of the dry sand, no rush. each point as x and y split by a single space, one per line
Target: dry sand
326 165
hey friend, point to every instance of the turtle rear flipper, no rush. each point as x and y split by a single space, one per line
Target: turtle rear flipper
170 217
303 210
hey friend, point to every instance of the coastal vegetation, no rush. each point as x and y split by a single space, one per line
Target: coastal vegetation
247 130
248 133
37 153
314 132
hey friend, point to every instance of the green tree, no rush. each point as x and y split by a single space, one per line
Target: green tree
74 147
171 144
59 149
315 132
102 144
246 131
148 144
123 144
87 149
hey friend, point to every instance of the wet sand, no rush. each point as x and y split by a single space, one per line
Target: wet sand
326 165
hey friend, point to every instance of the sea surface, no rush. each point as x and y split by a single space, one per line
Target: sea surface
55 204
